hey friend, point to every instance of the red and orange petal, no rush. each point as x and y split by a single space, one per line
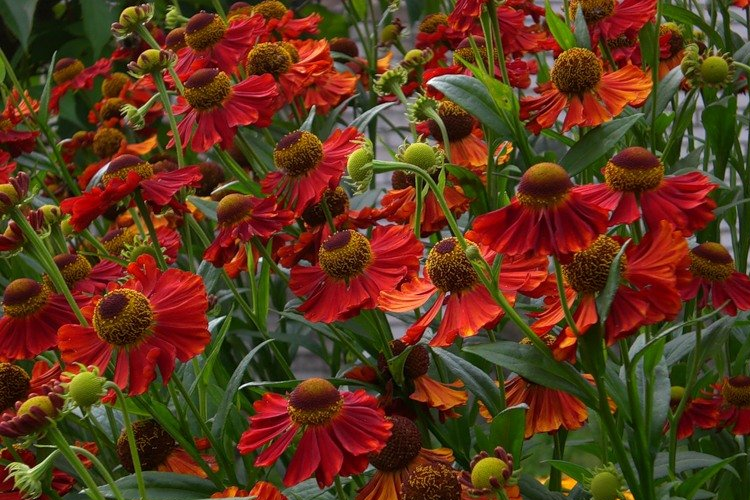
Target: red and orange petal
314 63
442 397
569 227
627 15
84 80
516 36
179 461
290 28
17 142
179 329
261 491
337 447
328 90
249 102
297 192
549 409
626 86
395 252
734 291
7 167
29 334
399 205
465 14
699 413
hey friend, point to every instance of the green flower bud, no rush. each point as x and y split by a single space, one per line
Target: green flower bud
86 388
131 18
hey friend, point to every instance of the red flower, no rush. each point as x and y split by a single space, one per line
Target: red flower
465 14
701 412
122 177
281 23
548 409
240 218
81 276
339 431
394 464
6 167
261 491
647 293
216 108
465 138
611 19
70 74
469 305
153 319
214 43
352 272
547 216
61 483
32 313
516 36
712 273
735 409
327 90
635 175
307 167
592 97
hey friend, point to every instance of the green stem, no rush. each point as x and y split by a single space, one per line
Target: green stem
340 490
164 95
131 439
563 297
92 489
146 216
102 470
149 39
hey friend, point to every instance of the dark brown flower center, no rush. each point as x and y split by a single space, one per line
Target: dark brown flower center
431 22
24 297
175 39
336 201
345 46
233 208
432 482
153 443
111 108
204 30
588 270
14 385
73 267
634 169
676 41
120 167
544 185
113 85
345 255
402 447
736 391
107 142
448 267
576 71
593 10
207 89
298 153
465 51
711 262
123 317
314 402
268 57
458 122
66 69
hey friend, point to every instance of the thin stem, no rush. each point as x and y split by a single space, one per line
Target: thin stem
164 95
102 470
131 439
92 489
146 216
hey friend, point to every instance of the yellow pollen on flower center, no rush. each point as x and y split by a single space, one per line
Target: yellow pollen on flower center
402 447
635 170
432 481
114 241
593 10
736 391
314 402
24 297
711 262
268 57
544 185
111 108
233 208
588 270
14 384
298 153
448 267
207 89
458 122
123 317
73 267
204 30
336 201
345 255
270 9
431 22
153 444
466 52
120 167
576 71
66 69
107 142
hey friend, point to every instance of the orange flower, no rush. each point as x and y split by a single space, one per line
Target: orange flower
735 408
712 272
609 19
579 84
261 491
397 460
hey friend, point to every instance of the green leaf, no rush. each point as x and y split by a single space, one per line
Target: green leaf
18 18
46 91
531 364
583 39
668 87
508 429
207 207
693 20
720 121
558 28
308 490
396 365
685 461
362 120
607 295
98 17
163 486
473 96
690 486
307 124
577 472
2 72
596 143
531 489
475 380
217 428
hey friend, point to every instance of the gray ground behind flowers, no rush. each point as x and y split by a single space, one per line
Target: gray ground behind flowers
307 364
